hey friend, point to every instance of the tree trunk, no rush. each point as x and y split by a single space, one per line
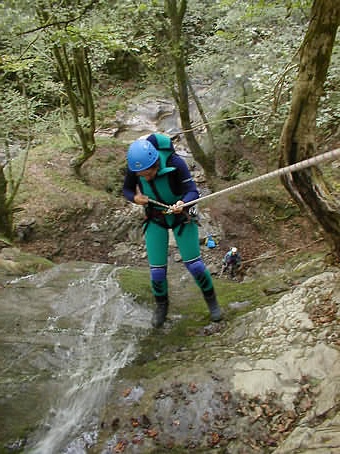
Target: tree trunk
82 69
176 14
203 116
5 214
74 70
205 159
297 142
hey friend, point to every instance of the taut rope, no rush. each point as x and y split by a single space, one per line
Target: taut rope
329 156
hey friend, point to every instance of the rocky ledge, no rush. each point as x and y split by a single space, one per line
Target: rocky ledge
268 382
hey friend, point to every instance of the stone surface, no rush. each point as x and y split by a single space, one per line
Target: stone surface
272 358
270 380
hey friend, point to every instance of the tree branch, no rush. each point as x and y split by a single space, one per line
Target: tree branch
63 23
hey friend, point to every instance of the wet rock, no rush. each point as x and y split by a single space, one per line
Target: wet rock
239 305
275 290
25 228
276 383
15 262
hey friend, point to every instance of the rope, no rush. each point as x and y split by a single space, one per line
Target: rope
267 257
158 203
329 156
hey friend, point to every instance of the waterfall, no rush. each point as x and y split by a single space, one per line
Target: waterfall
93 330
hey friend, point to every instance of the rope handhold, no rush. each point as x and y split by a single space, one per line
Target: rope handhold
328 156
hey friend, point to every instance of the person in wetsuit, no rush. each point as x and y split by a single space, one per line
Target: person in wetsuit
156 172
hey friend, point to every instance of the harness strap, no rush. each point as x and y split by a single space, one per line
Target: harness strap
159 218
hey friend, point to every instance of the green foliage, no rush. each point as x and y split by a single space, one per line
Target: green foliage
17 114
243 167
251 54
16 117
11 64
251 57
246 47
258 7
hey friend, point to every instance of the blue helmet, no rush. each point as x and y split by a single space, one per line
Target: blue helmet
141 155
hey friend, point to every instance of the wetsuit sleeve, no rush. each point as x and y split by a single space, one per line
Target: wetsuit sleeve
188 187
129 186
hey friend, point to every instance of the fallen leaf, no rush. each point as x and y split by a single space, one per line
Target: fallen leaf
134 422
226 396
137 440
152 433
120 446
215 439
193 388
126 392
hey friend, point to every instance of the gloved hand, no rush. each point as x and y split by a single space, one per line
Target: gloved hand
140 199
176 209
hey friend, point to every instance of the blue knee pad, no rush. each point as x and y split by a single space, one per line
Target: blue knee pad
196 268
159 283
158 273
201 274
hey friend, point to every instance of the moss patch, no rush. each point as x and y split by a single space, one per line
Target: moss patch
189 329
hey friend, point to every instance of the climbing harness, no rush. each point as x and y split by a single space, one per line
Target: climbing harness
158 216
328 156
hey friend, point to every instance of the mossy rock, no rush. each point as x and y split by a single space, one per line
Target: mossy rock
14 262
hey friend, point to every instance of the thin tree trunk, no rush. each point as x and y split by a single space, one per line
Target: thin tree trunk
203 116
74 70
176 14
5 214
308 187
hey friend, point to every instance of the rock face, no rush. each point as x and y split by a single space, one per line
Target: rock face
270 382
64 333
14 262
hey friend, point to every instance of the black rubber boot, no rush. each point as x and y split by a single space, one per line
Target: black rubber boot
160 313
214 308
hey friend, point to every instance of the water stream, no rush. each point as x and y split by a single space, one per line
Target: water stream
64 336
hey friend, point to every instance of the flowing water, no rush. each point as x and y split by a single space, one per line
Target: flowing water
64 335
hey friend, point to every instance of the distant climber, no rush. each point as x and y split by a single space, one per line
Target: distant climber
231 262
